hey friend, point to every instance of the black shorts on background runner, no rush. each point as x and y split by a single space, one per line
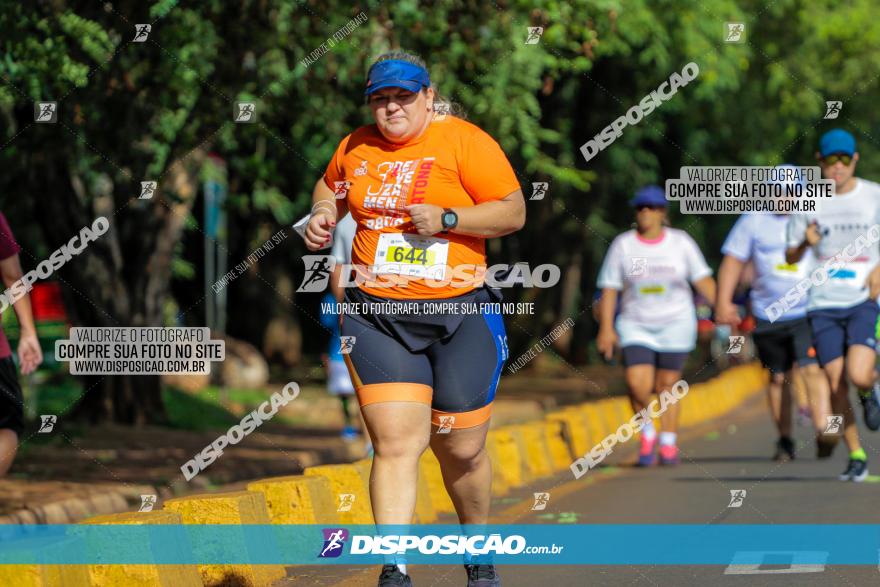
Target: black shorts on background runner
11 402
637 354
782 344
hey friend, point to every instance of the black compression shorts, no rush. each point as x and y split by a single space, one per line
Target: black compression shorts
451 360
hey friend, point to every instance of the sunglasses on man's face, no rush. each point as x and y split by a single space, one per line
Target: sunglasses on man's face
832 159
641 207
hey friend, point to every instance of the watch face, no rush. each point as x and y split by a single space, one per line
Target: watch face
449 218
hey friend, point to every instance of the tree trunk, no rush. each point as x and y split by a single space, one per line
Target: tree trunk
120 279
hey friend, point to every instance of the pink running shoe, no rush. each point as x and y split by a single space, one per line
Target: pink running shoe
646 452
669 454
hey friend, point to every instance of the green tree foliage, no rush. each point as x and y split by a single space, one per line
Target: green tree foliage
152 110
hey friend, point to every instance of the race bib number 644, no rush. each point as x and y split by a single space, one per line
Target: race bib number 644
413 255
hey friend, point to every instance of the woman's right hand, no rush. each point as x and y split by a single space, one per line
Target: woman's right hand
726 313
606 342
319 230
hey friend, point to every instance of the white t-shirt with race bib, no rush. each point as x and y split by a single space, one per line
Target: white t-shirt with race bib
761 239
657 305
842 220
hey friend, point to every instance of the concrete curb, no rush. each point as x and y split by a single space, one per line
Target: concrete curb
296 499
535 450
237 507
39 574
557 445
520 454
142 575
429 470
347 480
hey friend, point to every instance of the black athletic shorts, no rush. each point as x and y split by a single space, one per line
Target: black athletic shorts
11 401
447 353
635 354
782 344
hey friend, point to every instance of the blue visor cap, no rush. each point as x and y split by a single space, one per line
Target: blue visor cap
837 141
394 73
651 195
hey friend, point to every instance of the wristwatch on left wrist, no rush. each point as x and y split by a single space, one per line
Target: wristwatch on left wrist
449 220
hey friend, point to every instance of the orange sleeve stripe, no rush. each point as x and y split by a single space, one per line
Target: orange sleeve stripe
464 419
394 392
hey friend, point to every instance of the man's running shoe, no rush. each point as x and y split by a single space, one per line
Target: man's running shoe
646 452
482 576
870 399
668 454
784 449
825 445
856 470
392 577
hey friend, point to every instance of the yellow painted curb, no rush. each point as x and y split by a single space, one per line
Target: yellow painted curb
560 454
236 507
500 485
535 450
597 429
297 499
575 430
142 575
429 470
425 512
364 467
510 455
624 409
43 575
610 414
585 425
350 492
516 468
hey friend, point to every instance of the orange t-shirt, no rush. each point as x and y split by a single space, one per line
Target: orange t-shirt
454 164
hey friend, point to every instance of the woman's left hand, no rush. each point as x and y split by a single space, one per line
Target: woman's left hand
427 218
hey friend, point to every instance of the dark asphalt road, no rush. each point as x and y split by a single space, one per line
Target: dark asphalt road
729 453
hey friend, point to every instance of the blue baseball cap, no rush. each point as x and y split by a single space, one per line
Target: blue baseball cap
837 141
395 73
650 195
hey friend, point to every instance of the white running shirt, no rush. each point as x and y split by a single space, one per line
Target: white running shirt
654 277
343 235
842 220
761 239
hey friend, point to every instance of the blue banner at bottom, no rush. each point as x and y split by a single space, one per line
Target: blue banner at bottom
520 544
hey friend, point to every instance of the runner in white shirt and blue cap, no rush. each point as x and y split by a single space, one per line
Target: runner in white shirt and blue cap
653 267
842 307
782 342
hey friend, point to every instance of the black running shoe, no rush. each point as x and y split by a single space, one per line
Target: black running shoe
482 576
392 577
870 399
784 449
856 470
825 446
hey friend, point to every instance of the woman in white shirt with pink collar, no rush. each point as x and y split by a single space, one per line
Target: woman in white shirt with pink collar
652 267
